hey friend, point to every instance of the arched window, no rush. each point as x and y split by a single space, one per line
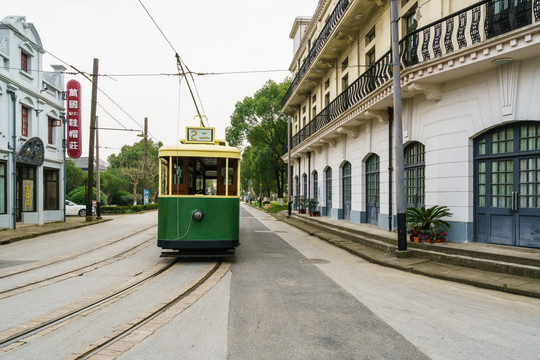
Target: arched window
346 183
328 174
372 189
304 182
414 167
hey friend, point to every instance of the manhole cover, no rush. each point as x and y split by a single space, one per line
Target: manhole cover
315 261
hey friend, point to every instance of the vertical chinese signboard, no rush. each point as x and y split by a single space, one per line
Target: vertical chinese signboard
74 133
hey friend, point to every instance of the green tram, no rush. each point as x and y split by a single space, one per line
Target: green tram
199 203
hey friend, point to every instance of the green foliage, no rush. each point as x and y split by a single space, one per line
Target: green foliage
112 181
74 176
78 196
311 204
127 209
425 219
130 165
122 198
259 121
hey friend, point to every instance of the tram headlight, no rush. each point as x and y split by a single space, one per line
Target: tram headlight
198 215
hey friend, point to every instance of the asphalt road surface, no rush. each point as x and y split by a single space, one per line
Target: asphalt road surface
283 307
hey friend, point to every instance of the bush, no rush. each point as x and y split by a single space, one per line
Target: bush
122 198
127 209
78 196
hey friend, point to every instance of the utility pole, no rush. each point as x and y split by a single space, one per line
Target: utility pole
289 175
98 183
93 104
401 204
145 154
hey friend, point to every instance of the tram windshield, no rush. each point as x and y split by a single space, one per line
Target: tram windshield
190 175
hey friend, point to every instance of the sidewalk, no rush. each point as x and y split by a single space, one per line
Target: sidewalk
504 268
27 231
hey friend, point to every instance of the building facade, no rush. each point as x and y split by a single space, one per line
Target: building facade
31 128
470 75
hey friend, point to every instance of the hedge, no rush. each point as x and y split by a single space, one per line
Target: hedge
127 209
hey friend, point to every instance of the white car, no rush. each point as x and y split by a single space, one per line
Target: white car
74 209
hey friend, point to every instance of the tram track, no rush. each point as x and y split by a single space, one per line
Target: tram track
74 272
148 324
74 256
22 336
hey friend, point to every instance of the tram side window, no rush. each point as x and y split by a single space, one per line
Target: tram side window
179 183
232 175
164 176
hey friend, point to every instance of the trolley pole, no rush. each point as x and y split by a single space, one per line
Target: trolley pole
398 134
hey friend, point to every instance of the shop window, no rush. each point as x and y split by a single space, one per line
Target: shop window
50 190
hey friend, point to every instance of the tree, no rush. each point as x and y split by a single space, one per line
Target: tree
75 176
259 121
129 163
112 183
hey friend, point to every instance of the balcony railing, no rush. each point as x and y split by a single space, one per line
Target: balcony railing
468 27
317 46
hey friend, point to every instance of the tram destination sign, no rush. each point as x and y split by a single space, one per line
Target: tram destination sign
198 135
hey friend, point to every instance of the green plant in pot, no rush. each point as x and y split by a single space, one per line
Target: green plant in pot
429 220
311 205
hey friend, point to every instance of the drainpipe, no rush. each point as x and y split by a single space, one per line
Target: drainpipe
390 167
14 162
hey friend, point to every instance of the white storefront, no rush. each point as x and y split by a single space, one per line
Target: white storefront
31 128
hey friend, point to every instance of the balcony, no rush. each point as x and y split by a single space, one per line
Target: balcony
459 34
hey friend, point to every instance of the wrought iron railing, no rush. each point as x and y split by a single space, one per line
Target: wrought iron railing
470 26
317 46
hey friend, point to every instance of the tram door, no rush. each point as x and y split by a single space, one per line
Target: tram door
508 187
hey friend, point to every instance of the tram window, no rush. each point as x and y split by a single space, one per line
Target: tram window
164 176
178 171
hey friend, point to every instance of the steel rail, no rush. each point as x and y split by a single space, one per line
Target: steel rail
74 256
4 293
152 316
47 324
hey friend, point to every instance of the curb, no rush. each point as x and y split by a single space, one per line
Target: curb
51 231
380 257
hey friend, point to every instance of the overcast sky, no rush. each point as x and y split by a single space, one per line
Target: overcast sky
210 36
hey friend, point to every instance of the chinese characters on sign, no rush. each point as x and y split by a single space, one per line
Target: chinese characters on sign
74 134
199 135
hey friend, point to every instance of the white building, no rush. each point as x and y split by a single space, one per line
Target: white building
471 113
31 128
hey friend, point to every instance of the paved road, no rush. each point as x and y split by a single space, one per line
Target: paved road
444 320
282 307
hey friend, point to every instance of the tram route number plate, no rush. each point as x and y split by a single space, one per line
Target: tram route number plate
199 134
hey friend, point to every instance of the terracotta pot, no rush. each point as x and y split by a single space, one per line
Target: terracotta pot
438 241
416 239
428 241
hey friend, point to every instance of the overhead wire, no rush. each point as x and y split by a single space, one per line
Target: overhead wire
180 66
87 77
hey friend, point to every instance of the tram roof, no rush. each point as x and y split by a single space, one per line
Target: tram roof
200 150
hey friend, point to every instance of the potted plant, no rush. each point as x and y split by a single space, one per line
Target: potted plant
429 220
300 204
311 205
